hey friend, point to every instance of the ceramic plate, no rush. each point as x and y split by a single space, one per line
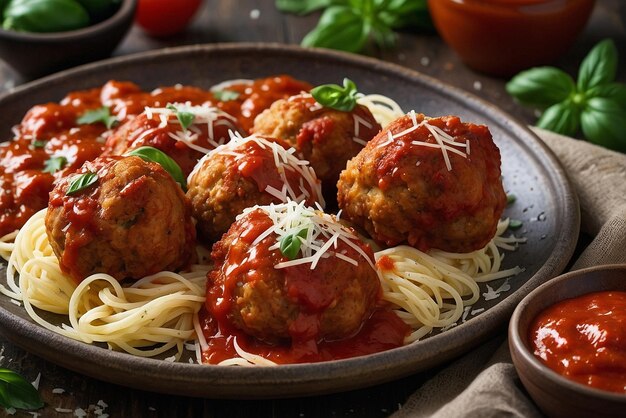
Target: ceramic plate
545 203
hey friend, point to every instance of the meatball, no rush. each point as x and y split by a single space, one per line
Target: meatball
430 182
161 128
325 137
260 291
246 172
132 221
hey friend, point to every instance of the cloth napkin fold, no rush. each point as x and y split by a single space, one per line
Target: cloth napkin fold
484 383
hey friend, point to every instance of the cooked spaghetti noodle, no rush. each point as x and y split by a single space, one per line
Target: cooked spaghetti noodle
431 289
156 310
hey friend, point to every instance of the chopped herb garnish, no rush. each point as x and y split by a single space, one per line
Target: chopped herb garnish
510 199
225 95
17 392
102 114
54 164
290 244
36 143
81 181
155 155
336 97
515 224
185 118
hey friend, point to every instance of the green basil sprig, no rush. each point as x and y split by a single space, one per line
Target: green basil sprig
37 143
349 25
290 244
54 164
81 181
102 114
185 118
155 155
336 97
17 392
225 95
594 104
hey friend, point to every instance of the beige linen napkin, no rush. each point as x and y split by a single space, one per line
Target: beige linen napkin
483 384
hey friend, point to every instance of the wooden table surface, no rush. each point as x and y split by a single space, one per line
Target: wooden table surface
259 21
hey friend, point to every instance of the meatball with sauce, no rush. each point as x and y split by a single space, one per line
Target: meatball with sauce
319 292
129 219
325 137
161 128
246 172
429 182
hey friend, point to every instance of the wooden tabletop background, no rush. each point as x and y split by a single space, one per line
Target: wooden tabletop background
259 21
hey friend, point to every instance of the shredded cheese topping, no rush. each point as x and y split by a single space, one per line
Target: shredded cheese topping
444 141
323 234
203 114
284 160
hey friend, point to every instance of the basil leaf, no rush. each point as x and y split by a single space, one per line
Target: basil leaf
542 86
185 118
54 164
599 66
515 224
155 155
341 28
36 143
102 114
404 13
303 7
510 199
613 91
225 95
80 182
290 244
17 392
562 118
603 122
336 97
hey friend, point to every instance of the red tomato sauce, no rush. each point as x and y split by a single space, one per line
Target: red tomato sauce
51 130
380 331
584 339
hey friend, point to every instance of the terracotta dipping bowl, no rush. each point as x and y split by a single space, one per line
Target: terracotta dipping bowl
37 54
556 395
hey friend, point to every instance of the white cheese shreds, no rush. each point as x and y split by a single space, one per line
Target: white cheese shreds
323 233
443 140
202 115
284 160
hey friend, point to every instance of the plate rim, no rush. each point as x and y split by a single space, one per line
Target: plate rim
298 379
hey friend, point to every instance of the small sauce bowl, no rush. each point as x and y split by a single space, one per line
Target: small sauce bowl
502 37
557 395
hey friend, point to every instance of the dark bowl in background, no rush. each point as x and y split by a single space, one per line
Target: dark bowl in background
37 54
556 395
503 37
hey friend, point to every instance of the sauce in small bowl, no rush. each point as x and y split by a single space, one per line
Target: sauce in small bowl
502 37
584 339
567 333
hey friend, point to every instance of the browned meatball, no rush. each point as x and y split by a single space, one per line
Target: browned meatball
246 172
325 137
160 128
403 189
132 221
257 289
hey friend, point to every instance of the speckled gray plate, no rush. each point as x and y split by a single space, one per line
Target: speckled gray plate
545 202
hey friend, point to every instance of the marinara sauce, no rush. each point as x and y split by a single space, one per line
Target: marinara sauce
379 331
584 339
51 131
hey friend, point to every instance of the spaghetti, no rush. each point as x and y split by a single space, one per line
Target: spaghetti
156 310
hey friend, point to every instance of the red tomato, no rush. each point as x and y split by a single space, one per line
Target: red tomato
165 17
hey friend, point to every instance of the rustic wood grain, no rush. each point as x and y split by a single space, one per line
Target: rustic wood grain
232 21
